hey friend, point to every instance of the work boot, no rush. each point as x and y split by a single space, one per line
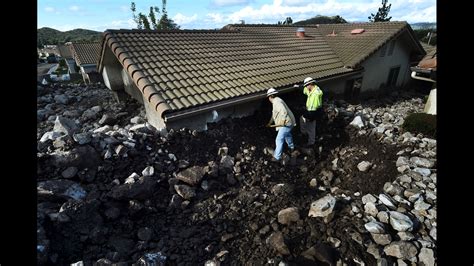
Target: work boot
274 160
294 152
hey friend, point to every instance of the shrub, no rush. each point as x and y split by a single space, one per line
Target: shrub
420 123
62 63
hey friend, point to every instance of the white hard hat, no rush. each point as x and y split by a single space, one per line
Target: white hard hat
308 80
271 91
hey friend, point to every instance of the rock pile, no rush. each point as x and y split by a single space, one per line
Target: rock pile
111 189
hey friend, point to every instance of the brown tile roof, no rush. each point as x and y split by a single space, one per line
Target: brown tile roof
430 49
353 49
429 62
64 51
86 53
178 70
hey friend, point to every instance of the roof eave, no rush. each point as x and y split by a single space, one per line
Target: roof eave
170 116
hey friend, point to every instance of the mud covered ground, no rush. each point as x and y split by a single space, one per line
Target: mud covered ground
234 212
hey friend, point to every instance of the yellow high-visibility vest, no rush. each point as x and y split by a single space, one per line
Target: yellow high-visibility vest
315 98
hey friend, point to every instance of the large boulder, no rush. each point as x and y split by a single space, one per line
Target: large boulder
80 157
141 189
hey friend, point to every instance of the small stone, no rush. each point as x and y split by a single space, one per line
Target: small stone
288 215
148 171
402 160
323 208
374 250
82 138
426 256
185 191
369 198
371 209
400 222
401 250
406 236
313 183
382 239
70 172
422 171
375 227
137 120
191 176
145 233
425 163
383 217
388 201
276 241
364 166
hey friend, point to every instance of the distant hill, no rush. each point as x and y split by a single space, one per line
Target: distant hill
321 20
423 25
51 36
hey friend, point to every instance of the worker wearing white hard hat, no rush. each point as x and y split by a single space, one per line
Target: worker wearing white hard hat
284 121
313 109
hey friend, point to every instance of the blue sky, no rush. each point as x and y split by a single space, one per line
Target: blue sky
100 15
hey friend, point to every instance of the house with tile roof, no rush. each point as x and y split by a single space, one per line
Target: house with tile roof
66 54
426 71
188 78
86 56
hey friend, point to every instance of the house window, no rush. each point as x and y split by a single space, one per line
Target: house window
393 76
383 50
392 47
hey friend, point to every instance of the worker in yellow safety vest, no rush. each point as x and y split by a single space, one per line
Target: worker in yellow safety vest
313 110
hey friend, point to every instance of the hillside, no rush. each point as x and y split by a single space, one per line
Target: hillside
321 20
51 36
423 25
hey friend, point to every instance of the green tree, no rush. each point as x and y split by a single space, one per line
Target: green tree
150 22
287 21
382 13
339 19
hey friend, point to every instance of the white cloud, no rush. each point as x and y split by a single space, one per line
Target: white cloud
271 13
125 8
121 24
74 8
425 15
221 3
181 19
424 10
215 17
296 2
49 9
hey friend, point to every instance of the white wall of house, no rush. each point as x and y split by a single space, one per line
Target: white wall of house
377 67
130 86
